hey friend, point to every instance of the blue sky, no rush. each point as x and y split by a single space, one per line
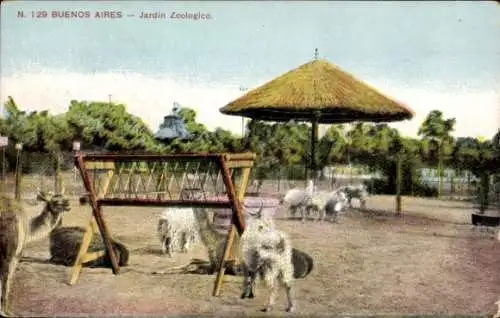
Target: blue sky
428 55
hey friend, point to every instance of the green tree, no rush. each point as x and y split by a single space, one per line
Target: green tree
379 147
332 147
481 158
189 116
37 131
109 126
289 143
383 148
257 141
17 124
437 142
358 143
277 145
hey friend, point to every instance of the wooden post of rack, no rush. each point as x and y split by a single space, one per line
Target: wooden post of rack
231 251
83 255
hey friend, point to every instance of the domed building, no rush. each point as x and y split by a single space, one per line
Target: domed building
173 126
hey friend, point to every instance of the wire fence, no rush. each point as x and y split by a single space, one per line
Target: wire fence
49 172
36 172
451 189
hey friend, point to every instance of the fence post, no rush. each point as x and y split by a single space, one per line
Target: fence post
4 143
279 179
372 183
483 192
350 173
398 184
416 177
18 173
42 181
58 178
440 170
497 189
3 171
76 150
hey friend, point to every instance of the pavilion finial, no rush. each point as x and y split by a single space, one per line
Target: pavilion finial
176 108
316 53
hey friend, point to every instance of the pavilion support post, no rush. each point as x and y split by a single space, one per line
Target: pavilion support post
314 139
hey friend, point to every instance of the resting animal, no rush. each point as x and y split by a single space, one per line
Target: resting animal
65 244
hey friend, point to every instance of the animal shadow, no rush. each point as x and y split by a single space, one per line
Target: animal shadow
147 250
373 213
293 218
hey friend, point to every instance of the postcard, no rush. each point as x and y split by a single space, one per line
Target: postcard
228 158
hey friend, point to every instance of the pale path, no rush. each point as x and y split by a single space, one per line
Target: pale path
364 264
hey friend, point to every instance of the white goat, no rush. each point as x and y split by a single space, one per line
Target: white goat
296 199
315 203
267 252
335 206
359 192
319 201
177 226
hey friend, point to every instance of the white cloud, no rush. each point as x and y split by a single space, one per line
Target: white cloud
147 97
477 113
151 98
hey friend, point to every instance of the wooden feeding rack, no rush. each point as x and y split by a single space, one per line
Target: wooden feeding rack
159 180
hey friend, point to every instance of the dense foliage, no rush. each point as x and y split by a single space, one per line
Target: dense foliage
109 127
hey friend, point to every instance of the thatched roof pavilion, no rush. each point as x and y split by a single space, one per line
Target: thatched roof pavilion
317 91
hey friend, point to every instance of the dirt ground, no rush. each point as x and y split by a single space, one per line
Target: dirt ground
368 263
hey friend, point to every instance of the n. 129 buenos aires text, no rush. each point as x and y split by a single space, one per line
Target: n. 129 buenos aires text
82 14
78 14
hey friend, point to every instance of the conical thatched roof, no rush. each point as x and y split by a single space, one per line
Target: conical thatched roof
317 89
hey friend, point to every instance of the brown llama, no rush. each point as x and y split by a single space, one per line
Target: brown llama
17 229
